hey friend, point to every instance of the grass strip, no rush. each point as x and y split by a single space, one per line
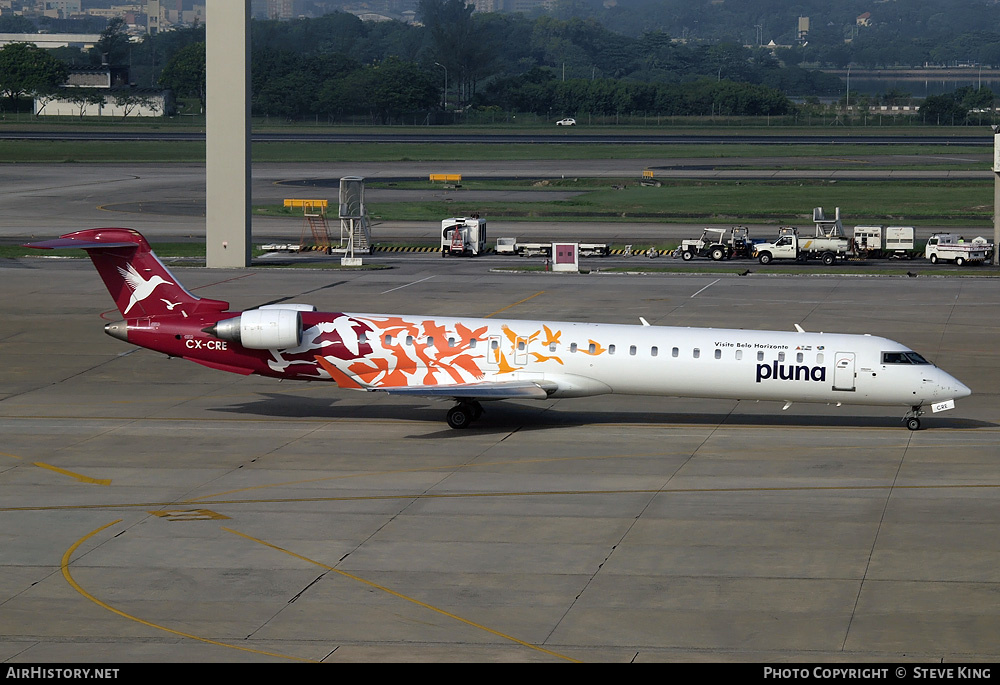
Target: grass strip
840 156
920 202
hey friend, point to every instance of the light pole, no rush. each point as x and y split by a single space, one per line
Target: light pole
848 87
444 94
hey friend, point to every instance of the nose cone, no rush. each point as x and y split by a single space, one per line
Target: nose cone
952 387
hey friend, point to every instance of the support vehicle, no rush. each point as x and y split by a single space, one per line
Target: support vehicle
793 246
712 243
463 236
512 246
827 245
884 242
947 247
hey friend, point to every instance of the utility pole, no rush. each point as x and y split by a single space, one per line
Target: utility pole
444 95
996 195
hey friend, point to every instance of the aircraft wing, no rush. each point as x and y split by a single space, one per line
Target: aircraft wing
506 390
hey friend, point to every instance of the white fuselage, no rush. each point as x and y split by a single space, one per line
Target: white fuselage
584 359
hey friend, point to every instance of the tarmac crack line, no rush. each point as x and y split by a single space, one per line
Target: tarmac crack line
399 595
871 551
652 497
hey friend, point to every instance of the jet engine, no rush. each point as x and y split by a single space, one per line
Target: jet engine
261 329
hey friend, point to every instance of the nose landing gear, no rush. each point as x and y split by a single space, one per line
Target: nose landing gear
912 418
464 413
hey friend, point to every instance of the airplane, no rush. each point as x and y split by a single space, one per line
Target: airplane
473 360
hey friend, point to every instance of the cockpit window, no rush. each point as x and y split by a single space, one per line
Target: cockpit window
903 358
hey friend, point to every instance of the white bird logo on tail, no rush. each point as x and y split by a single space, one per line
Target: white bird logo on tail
141 288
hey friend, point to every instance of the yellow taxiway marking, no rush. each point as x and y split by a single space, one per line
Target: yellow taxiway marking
76 586
77 476
402 596
510 306
49 467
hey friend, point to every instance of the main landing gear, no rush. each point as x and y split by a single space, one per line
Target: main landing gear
464 413
912 418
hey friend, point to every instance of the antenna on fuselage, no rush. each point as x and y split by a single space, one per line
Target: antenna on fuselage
799 328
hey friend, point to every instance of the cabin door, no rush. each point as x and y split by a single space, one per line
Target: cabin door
843 372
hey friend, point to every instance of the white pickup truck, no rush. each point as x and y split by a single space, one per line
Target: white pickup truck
799 248
945 247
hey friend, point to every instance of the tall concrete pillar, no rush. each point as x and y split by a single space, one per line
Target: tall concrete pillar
227 134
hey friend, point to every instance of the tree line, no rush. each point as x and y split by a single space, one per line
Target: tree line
908 33
337 66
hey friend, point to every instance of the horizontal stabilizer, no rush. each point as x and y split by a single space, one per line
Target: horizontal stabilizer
75 243
509 390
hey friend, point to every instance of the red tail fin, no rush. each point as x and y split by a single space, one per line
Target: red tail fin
137 280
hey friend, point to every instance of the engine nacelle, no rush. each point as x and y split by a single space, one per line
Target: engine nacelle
262 329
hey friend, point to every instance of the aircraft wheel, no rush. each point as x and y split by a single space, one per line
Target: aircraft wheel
913 423
460 416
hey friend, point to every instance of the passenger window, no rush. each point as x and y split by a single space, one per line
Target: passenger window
451 342
653 351
781 356
739 355
697 353
592 348
760 356
718 354
520 345
819 358
611 349
430 341
631 350
409 340
388 340
552 347
363 338
472 343
675 352
798 358
572 347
